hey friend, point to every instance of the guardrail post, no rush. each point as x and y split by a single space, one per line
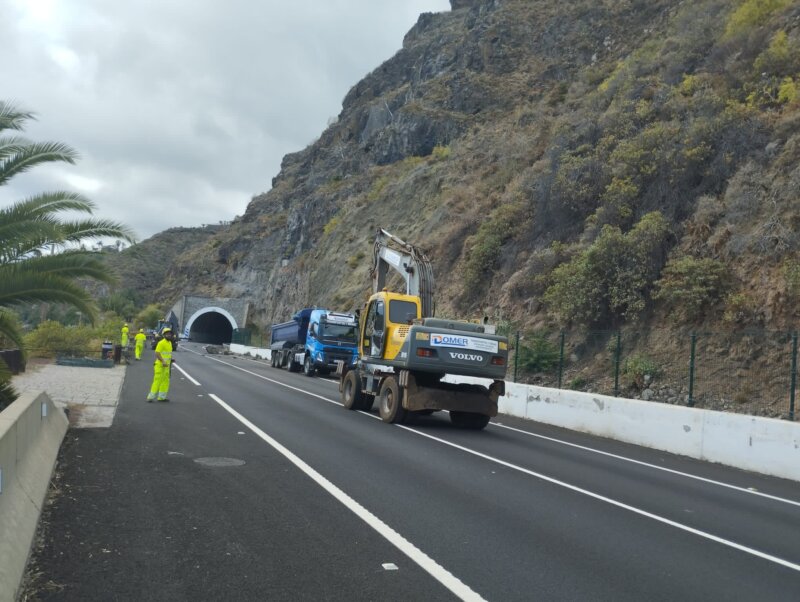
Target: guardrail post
690 401
516 356
617 354
794 376
561 360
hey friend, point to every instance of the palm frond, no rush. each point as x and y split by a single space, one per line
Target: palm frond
69 264
12 118
47 203
27 287
77 231
36 153
11 145
9 329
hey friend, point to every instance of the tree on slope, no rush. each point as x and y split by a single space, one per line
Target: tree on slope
41 257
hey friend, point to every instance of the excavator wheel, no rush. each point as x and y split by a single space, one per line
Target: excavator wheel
469 420
390 402
352 397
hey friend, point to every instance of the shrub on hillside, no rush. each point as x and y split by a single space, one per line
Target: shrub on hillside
609 281
691 286
639 370
752 13
537 354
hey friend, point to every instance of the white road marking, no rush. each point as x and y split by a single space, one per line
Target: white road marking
182 371
602 498
389 566
656 517
438 572
750 490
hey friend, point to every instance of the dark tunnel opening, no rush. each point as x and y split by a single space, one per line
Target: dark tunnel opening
211 327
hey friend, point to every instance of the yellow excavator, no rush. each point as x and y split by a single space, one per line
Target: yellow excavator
405 353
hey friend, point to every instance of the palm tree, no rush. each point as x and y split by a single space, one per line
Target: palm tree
41 255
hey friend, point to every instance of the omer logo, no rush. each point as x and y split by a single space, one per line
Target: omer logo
443 339
471 357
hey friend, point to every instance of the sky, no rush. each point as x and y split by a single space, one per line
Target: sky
181 110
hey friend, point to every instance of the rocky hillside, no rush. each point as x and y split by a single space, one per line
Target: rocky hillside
591 163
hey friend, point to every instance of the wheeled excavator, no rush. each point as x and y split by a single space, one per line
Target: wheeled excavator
405 353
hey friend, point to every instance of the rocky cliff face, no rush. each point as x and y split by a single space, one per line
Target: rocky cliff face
502 137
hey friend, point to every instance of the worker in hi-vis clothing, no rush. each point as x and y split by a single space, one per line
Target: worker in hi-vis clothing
139 340
124 340
160 386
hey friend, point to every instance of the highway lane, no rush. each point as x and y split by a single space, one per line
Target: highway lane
526 513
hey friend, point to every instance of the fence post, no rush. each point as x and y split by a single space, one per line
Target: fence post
690 401
617 354
561 360
794 375
516 356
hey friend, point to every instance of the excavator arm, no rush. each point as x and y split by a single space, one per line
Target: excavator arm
409 262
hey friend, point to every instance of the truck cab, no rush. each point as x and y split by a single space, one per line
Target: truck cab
331 337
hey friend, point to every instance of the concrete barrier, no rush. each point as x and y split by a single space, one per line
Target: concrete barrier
31 431
764 445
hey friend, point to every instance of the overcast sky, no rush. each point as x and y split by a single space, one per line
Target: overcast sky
182 110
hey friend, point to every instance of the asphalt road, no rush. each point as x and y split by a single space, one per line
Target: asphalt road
255 484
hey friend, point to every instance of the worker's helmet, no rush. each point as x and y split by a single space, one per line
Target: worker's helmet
166 330
125 324
141 330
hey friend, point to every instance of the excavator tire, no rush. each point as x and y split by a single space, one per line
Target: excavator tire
469 420
352 397
390 401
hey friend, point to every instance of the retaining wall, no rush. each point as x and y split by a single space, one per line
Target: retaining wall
764 445
31 431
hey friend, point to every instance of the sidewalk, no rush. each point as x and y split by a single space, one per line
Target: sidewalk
90 395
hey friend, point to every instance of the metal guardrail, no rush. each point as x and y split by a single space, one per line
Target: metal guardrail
751 372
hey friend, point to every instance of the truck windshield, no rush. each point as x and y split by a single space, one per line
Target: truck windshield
338 332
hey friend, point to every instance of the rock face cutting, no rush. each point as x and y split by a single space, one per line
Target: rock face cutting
503 138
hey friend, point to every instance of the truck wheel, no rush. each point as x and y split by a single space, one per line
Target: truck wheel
308 366
390 403
469 420
352 397
292 365
273 358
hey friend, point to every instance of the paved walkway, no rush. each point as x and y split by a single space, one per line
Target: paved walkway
90 394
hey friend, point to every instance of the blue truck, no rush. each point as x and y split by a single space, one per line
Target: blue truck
314 340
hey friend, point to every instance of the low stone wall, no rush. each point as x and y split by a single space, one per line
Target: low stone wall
31 431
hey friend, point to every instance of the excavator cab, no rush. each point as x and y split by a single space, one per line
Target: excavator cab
388 317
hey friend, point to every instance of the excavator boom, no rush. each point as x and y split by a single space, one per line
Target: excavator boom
408 261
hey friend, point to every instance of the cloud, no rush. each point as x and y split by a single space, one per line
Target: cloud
182 110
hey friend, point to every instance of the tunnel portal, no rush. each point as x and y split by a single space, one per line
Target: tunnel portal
210 327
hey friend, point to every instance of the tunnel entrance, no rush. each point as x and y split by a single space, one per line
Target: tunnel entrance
211 327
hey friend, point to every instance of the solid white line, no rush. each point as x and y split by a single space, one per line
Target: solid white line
648 465
442 575
186 374
656 517
602 498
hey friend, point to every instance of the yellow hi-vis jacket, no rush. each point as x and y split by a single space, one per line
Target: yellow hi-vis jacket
164 348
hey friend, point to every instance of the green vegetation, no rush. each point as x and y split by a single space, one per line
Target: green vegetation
538 354
486 245
609 281
148 317
637 368
752 13
691 286
41 257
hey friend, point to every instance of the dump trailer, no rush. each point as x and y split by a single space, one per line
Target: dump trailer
287 339
405 353
314 341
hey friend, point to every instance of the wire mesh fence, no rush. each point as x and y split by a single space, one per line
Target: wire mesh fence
746 372
245 336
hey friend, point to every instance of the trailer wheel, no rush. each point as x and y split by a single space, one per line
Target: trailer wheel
308 366
352 397
274 359
390 404
469 420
